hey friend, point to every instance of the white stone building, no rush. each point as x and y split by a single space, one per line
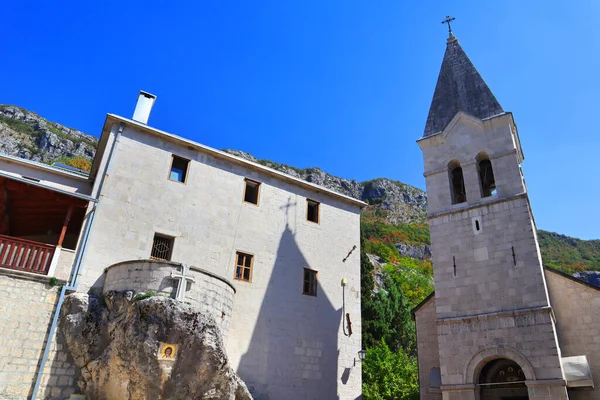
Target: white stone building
265 251
499 325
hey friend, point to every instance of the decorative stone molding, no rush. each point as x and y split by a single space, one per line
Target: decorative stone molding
497 320
483 357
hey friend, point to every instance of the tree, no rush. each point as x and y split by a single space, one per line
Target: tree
76 162
388 375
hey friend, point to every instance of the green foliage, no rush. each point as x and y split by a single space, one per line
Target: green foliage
19 126
143 296
389 375
52 281
414 278
389 320
568 254
76 162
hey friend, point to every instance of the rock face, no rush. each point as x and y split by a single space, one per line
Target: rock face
404 203
117 344
421 252
27 135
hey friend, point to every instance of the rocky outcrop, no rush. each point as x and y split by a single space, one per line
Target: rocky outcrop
154 348
27 135
591 277
420 251
403 203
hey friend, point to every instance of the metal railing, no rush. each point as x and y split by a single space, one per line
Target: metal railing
25 255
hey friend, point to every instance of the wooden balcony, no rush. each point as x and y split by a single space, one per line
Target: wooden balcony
25 255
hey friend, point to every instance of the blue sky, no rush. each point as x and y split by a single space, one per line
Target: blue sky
343 85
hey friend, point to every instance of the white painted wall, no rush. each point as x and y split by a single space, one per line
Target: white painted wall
284 344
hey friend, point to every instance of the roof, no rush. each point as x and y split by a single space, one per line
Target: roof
112 118
572 278
459 87
45 167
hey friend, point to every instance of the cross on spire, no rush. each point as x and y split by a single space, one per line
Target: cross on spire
183 279
447 21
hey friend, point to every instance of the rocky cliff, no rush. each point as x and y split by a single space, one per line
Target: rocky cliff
132 347
27 135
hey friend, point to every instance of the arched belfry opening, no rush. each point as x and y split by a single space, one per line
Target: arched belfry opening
457 183
502 379
487 182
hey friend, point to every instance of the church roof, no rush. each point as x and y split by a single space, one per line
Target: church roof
460 87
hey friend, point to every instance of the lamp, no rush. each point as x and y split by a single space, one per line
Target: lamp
361 356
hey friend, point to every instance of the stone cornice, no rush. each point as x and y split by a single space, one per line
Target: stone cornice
462 208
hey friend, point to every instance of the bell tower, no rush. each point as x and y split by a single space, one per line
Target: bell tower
491 299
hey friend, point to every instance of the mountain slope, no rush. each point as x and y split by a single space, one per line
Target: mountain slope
27 135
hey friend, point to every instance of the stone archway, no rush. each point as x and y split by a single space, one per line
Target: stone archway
502 379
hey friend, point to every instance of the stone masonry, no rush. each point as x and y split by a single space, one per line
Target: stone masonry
27 304
207 292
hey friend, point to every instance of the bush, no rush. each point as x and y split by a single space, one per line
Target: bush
389 375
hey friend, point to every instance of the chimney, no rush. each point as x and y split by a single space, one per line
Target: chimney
143 107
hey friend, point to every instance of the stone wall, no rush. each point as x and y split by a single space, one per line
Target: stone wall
577 309
209 222
207 292
27 305
427 348
64 265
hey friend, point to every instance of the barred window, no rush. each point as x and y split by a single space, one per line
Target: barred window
310 282
243 266
162 247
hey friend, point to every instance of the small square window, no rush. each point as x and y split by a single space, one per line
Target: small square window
312 211
251 191
310 282
179 169
162 247
243 266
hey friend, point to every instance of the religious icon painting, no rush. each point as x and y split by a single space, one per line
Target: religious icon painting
167 351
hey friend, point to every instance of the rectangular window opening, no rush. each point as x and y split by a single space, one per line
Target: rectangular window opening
312 211
251 191
162 247
243 266
310 282
179 169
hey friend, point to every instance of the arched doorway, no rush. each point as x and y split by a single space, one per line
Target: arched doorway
502 379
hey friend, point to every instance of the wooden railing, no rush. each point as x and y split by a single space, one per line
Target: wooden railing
25 255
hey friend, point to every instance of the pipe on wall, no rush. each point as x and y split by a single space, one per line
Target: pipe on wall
75 277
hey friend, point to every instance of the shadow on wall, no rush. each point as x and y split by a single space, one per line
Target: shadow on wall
293 353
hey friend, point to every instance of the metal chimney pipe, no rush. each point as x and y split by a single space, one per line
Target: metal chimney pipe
143 107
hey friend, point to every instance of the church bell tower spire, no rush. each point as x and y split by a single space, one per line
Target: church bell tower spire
491 302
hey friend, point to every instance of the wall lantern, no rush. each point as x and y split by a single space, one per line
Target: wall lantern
361 356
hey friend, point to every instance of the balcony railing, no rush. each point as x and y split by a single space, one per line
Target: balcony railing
25 255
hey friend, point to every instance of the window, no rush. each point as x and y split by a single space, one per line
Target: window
251 191
243 266
457 183
179 169
486 175
310 282
162 247
312 211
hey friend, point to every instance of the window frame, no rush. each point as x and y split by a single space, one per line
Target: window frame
318 204
314 285
186 172
244 253
171 239
258 187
